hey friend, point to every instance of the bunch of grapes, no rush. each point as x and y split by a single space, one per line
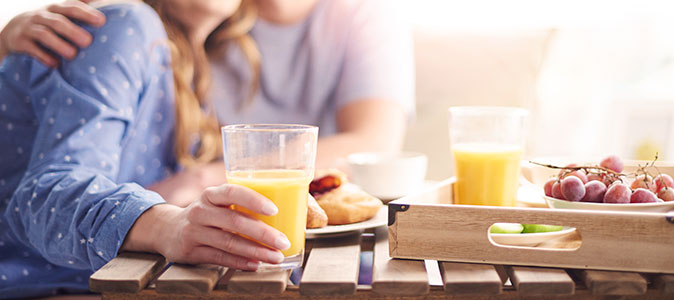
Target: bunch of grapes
605 183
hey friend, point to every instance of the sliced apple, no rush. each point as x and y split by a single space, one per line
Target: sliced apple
506 228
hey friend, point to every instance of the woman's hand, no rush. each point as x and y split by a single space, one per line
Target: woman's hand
50 28
209 230
183 187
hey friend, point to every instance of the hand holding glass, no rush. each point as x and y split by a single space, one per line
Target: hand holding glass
276 161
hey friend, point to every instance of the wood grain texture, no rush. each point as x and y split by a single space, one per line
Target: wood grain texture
664 283
189 279
332 267
395 276
129 272
267 282
470 279
363 294
459 233
541 281
613 283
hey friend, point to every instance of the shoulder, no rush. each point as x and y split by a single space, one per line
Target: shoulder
128 21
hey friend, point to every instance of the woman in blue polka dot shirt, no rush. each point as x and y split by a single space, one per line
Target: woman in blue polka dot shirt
79 142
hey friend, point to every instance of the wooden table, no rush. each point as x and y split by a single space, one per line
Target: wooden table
331 270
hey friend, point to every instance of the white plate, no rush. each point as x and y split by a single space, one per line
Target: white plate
380 219
529 194
661 207
529 239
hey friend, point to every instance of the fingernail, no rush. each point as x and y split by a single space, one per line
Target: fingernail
269 209
252 265
276 257
282 243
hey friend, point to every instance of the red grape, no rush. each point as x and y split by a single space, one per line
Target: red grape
662 181
572 188
612 162
644 182
562 171
599 177
594 176
594 192
666 194
557 191
641 195
578 173
617 193
548 186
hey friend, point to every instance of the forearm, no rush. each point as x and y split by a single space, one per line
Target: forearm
150 228
76 218
334 148
364 126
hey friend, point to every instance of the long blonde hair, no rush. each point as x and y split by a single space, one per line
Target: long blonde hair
195 116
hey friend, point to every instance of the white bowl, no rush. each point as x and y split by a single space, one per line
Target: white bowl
660 207
388 175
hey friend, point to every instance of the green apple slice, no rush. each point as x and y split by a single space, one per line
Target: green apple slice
534 228
506 228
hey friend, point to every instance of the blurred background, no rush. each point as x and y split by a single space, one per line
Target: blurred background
597 75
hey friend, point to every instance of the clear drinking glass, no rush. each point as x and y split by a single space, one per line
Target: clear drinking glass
487 145
277 161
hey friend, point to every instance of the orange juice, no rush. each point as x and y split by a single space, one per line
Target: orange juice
289 190
486 174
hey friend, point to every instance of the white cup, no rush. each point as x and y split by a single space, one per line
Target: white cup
388 175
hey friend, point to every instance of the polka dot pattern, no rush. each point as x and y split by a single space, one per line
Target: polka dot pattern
92 135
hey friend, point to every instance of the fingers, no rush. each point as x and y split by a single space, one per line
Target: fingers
79 11
237 245
208 255
34 50
231 194
64 27
48 39
233 221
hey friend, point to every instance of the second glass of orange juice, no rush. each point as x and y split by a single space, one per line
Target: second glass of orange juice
276 161
487 144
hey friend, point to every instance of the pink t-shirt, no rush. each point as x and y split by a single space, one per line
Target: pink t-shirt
344 51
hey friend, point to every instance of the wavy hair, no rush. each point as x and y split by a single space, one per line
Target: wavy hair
197 131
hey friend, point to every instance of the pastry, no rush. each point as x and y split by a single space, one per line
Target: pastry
343 203
348 204
316 217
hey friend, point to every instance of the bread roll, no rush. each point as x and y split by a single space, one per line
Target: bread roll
316 217
348 204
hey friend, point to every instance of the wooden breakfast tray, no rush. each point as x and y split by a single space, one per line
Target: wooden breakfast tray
427 226
332 270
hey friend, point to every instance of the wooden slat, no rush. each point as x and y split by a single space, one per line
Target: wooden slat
263 282
664 283
129 272
365 294
332 267
395 276
541 281
188 279
613 283
470 279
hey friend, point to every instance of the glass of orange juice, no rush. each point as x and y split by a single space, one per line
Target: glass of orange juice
277 161
486 143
